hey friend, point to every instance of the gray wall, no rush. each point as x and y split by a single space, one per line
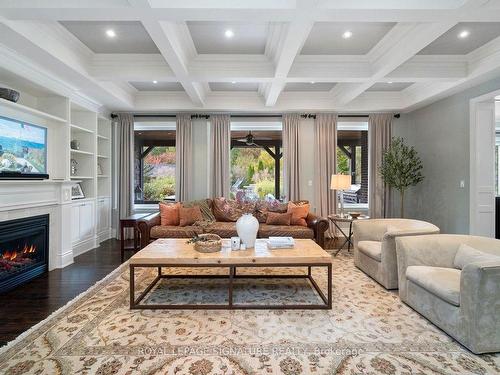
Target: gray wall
440 134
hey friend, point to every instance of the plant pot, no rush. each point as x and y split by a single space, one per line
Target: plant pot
9 94
247 227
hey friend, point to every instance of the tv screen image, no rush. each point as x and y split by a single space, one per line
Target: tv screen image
23 147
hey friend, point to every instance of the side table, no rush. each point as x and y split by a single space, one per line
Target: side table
336 220
130 222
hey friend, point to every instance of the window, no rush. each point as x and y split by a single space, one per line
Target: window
352 158
154 173
256 158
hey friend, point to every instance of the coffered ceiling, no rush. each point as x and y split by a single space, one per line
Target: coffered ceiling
252 55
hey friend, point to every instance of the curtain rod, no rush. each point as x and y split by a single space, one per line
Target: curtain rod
397 115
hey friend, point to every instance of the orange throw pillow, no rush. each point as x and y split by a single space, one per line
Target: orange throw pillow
299 213
169 213
189 215
274 218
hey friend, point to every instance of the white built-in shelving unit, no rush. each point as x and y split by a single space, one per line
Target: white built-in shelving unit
67 121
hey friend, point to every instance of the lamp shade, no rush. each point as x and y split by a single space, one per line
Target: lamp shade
340 182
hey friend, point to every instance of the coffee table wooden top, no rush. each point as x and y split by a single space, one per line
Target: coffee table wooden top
178 252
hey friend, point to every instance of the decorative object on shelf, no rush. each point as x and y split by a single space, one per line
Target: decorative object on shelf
77 192
9 94
340 182
247 227
401 168
74 169
75 144
354 215
99 170
206 243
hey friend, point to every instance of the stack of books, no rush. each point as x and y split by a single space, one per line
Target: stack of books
280 243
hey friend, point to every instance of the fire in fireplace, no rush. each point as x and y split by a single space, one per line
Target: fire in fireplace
23 250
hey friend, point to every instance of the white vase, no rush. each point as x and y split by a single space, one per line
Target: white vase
247 227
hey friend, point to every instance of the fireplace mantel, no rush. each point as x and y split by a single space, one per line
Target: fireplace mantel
21 198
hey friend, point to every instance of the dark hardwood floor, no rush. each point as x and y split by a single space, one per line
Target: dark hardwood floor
25 306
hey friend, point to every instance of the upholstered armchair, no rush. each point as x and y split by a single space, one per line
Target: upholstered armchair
454 281
375 246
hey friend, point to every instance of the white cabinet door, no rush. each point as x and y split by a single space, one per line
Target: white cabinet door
86 220
103 214
75 223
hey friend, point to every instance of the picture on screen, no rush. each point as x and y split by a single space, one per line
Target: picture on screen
23 147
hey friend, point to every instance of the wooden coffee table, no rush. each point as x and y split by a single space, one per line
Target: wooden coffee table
177 253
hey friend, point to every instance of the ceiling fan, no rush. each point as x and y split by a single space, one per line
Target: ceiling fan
249 140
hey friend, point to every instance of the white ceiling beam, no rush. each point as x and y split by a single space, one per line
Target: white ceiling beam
398 45
421 68
172 40
258 68
131 67
292 41
258 12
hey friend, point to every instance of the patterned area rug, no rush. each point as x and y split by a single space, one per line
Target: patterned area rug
368 331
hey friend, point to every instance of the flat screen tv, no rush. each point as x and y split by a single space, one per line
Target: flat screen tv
23 150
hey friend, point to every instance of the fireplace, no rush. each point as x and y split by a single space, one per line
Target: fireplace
24 250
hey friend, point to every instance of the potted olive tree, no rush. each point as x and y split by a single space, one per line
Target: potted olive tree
401 168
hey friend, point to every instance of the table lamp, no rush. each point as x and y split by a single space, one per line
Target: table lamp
340 182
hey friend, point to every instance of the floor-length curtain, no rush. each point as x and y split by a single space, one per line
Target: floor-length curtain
183 157
379 133
325 161
220 133
125 147
291 157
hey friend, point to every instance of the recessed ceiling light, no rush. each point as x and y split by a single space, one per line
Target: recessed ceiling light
229 33
463 34
110 33
347 34
312 82
390 82
155 82
233 82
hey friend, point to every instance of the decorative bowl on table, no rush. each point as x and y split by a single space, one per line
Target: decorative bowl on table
207 243
355 215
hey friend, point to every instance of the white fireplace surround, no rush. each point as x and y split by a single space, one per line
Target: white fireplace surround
23 198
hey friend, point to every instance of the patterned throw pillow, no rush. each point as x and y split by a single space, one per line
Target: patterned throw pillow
274 218
189 216
229 210
299 213
169 213
263 207
205 206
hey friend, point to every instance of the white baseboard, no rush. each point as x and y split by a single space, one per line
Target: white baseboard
66 259
84 246
104 235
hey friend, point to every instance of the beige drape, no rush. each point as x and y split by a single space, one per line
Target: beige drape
291 157
125 148
220 133
325 161
183 157
379 133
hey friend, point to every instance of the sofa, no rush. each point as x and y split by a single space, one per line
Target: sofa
375 246
454 281
225 226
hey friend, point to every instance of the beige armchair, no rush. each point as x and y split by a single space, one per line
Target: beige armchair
446 279
375 246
